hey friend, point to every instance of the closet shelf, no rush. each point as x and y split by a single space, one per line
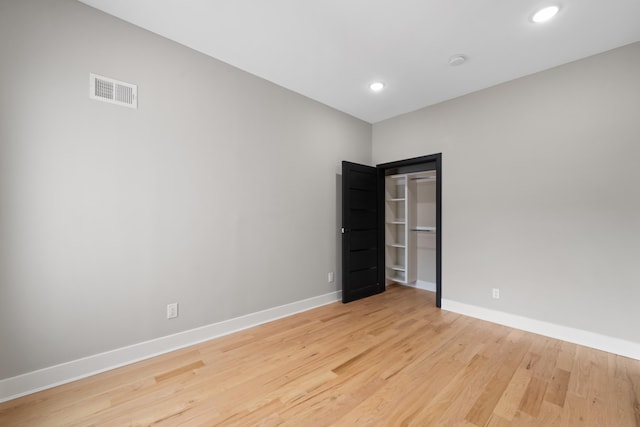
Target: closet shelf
398 268
425 229
396 245
396 200
398 279
397 221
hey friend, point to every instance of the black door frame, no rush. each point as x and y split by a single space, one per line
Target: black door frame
415 164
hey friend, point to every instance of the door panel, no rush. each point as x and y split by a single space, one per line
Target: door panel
361 178
361 199
361 260
361 232
364 278
363 239
366 219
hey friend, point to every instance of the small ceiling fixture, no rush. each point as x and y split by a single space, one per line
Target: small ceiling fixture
376 86
545 14
456 60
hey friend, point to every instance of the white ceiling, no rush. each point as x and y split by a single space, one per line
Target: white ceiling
330 50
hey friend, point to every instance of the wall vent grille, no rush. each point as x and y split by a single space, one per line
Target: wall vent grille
113 91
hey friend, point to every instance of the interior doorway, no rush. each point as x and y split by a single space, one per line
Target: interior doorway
392 226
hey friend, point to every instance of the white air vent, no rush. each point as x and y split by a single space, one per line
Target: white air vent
113 91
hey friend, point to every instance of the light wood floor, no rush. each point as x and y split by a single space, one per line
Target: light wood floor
389 360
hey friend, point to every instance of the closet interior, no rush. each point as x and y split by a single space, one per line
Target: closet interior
410 229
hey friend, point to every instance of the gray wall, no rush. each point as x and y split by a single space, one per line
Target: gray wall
218 193
541 192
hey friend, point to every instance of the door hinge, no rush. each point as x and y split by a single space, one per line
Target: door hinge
342 230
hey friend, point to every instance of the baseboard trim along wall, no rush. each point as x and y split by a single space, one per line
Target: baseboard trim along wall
31 382
421 284
565 333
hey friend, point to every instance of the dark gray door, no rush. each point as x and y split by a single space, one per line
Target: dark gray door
361 249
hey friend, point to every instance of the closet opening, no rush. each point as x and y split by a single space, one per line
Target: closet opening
410 229
411 205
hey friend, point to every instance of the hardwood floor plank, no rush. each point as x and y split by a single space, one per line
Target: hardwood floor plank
498 421
549 416
566 356
389 360
448 394
557 390
575 411
181 370
579 381
400 404
533 396
630 394
545 367
481 411
509 402
599 399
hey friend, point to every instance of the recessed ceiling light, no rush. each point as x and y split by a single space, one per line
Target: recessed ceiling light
456 60
543 15
376 86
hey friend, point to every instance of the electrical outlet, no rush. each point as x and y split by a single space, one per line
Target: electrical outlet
330 277
172 310
496 293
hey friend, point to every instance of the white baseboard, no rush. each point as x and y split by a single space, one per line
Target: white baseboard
421 284
31 382
577 336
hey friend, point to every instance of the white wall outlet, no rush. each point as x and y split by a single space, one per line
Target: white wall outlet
172 310
330 277
495 293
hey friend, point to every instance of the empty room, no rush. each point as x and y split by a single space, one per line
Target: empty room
335 213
